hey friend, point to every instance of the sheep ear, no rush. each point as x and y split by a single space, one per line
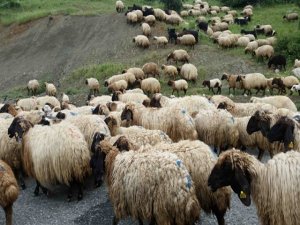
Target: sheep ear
289 137
241 186
107 120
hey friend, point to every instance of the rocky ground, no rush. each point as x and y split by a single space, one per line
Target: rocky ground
95 208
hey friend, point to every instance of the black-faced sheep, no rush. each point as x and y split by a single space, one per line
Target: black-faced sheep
63 159
119 85
241 21
273 186
179 55
279 61
285 82
151 68
93 84
251 47
33 86
211 84
178 85
133 200
264 51
9 191
291 16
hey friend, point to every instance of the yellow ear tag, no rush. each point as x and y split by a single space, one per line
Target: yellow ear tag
243 195
291 145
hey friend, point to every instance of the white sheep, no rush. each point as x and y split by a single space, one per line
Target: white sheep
187 39
277 101
159 14
94 101
9 191
150 20
170 71
291 16
146 29
137 72
27 104
243 41
50 89
32 86
128 76
213 83
53 154
119 6
264 51
173 19
231 78
150 85
252 81
296 72
132 17
179 126
42 101
151 68
141 41
160 41
129 97
65 98
93 85
273 186
179 85
189 72
141 196
251 47
179 55
297 63
118 86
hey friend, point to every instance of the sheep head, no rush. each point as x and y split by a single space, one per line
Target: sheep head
146 103
260 121
232 169
112 106
97 159
60 115
277 81
115 96
206 83
18 127
122 144
155 101
110 121
283 131
224 76
170 82
222 105
170 56
127 113
240 78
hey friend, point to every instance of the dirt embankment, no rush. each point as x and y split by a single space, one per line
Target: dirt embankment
50 49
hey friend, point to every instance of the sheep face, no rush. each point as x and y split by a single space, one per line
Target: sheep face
106 83
260 121
283 131
155 103
278 82
127 114
224 77
222 105
146 103
5 108
97 110
240 78
110 121
97 159
18 127
170 82
111 106
228 172
170 56
122 144
115 96
206 83
60 116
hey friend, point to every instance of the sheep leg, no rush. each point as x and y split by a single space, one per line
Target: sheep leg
80 191
70 191
115 220
219 215
186 90
140 221
299 92
219 90
177 93
172 91
152 222
260 154
21 179
8 214
291 92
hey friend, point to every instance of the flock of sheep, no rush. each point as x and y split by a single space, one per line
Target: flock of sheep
157 154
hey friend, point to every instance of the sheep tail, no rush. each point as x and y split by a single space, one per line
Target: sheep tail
192 209
11 193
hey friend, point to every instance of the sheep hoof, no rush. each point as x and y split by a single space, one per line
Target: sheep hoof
69 198
79 197
36 192
98 183
23 186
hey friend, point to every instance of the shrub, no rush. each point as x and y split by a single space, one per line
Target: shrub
172 4
8 4
289 45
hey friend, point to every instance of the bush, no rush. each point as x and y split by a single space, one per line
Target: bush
8 4
289 45
172 4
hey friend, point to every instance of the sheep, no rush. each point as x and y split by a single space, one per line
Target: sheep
151 68
221 26
172 36
277 61
187 39
232 12
191 32
129 97
137 72
137 135
252 81
271 40
191 103
128 76
216 128
241 20
228 19
141 41
225 9
42 101
159 14
94 101
179 55
189 72
50 89
184 13
150 20
296 72
170 71
9 191
253 32
135 90
243 41
266 29
203 25
135 198
179 126
117 86
192 153
32 86
291 16
213 83
93 85
264 51
178 85
277 101
244 109
65 98
132 17
296 88
161 40
231 78
297 63
173 19
119 6
27 104
275 196
52 154
146 29
251 46
226 41
150 85
285 82
247 12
